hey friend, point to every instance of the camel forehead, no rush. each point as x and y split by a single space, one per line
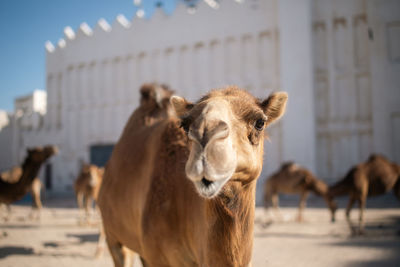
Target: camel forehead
216 108
233 100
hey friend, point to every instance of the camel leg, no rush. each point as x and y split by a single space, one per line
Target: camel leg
101 243
348 209
362 203
128 256
116 252
7 213
267 208
36 204
302 204
79 200
275 205
88 202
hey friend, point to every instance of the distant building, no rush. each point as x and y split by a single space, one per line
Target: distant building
19 129
338 60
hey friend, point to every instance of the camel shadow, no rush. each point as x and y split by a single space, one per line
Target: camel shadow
14 250
390 246
293 235
82 238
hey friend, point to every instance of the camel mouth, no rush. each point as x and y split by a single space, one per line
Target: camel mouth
206 182
209 189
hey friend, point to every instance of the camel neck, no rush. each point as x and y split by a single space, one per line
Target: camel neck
30 170
231 233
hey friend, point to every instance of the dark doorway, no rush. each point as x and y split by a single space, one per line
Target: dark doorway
48 176
99 154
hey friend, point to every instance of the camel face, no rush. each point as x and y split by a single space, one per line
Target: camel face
91 174
41 154
225 131
153 94
212 159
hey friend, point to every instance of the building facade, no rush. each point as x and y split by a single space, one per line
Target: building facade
337 60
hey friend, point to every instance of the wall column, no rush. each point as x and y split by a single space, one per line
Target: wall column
296 76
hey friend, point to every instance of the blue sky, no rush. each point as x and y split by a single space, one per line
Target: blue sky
25 26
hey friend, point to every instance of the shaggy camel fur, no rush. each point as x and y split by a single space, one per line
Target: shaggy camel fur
87 187
10 192
374 177
182 192
293 179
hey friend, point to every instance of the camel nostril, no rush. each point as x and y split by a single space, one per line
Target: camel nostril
206 182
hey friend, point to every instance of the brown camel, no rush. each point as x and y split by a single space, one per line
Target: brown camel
374 177
154 106
87 187
293 179
13 191
182 191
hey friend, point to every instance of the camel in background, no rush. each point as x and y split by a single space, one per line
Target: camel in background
293 179
35 192
374 177
87 186
17 182
154 106
182 191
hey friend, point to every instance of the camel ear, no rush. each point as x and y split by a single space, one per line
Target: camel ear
145 91
180 105
274 106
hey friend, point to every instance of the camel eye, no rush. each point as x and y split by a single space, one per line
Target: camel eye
259 125
185 124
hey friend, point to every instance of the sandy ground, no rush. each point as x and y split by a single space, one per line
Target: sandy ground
58 239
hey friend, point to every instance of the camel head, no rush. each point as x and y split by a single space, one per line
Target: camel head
92 174
154 95
41 154
225 130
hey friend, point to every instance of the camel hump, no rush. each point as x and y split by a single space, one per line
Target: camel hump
289 166
12 176
374 157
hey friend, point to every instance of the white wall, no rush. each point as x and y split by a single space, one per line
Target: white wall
97 74
343 86
297 79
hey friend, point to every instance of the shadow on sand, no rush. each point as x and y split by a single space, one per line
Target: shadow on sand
13 250
81 238
391 248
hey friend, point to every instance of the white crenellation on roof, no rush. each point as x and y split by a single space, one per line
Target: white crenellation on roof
181 16
103 24
69 33
123 21
85 29
61 43
49 46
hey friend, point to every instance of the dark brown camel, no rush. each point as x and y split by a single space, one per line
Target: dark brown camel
293 179
374 177
11 192
12 176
